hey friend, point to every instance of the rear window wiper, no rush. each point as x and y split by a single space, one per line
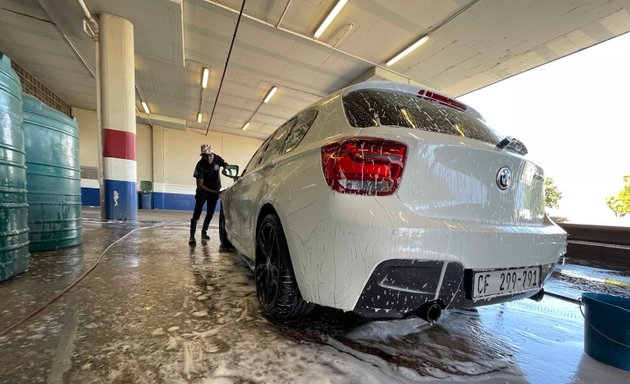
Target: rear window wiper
513 145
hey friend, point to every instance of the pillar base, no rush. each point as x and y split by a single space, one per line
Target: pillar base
121 200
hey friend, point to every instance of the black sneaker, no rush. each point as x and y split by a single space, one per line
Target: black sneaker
204 236
192 241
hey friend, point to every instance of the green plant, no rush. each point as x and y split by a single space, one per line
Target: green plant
620 203
552 194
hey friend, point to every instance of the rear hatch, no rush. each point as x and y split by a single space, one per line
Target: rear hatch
454 169
461 179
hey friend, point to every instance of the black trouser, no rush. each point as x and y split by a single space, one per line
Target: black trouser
200 199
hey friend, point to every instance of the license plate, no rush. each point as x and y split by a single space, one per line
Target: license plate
501 282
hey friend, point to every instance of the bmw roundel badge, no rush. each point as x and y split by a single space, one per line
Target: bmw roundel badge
504 176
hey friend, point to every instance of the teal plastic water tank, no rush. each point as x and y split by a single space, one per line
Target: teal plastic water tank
14 253
53 176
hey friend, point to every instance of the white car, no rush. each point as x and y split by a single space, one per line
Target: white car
387 200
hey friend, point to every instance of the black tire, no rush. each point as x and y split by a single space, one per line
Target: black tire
225 243
276 288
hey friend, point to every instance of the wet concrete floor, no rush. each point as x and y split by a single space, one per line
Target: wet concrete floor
155 310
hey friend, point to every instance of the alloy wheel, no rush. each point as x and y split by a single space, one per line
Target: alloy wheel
267 265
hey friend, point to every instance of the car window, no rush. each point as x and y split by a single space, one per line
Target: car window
277 141
257 156
372 107
303 122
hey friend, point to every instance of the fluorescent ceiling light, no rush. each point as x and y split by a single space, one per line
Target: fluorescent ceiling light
245 126
204 78
272 91
145 107
199 117
407 51
330 18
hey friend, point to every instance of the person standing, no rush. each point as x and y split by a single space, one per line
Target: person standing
208 189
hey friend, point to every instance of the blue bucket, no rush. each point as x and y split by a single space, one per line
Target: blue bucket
607 329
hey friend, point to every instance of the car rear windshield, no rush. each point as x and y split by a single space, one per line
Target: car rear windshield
375 107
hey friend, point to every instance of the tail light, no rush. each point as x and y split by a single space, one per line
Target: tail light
364 166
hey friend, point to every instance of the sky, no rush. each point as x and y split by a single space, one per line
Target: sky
573 115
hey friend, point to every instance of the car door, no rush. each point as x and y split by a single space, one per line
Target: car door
252 185
231 201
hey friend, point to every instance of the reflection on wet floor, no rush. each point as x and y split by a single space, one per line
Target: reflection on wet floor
158 311
571 279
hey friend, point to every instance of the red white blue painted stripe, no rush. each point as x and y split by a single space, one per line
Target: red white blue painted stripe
119 144
119 172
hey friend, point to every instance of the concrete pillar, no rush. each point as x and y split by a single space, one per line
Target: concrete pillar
119 117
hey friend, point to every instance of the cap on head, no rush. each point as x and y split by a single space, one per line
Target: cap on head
206 150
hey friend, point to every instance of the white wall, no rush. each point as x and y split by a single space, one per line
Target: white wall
177 151
182 148
144 155
86 120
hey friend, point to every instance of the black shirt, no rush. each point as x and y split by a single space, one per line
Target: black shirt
209 172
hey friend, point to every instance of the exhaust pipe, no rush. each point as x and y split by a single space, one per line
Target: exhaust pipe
538 295
430 311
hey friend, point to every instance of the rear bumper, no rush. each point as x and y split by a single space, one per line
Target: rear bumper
397 287
337 245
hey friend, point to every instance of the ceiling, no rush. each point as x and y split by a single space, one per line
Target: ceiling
473 43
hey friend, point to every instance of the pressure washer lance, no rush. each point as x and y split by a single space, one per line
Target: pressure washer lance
562 297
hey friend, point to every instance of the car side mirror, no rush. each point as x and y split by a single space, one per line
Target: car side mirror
230 171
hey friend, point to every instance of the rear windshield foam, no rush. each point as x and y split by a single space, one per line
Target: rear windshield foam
375 107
